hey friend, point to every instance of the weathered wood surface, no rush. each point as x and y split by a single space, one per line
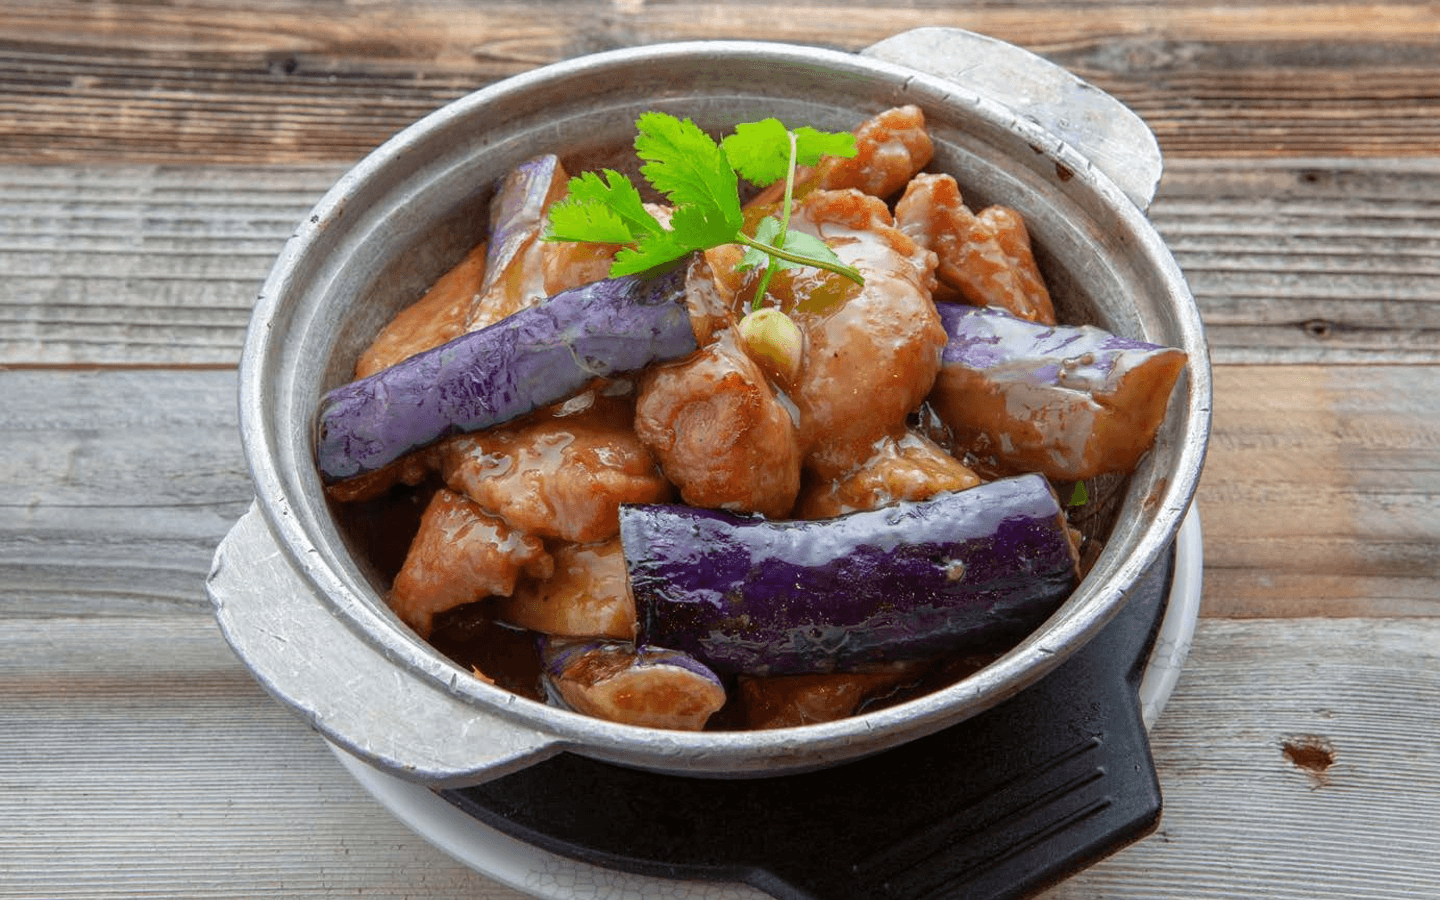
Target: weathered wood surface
1300 759
289 80
154 157
1318 499
140 265
1319 496
1294 261
120 484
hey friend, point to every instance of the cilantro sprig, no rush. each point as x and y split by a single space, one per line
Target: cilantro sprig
700 179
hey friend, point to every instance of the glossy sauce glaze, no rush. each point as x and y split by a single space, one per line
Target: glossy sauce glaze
517 567
1072 402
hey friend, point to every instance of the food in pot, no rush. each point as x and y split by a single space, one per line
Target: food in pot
734 465
459 555
538 355
635 684
786 701
587 596
1068 401
983 258
962 571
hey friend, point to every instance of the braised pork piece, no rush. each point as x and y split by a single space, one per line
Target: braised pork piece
892 403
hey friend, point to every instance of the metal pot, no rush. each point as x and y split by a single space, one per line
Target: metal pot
307 618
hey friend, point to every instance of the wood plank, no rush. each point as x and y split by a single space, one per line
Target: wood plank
1300 261
147 763
140 759
1318 496
1287 745
289 81
140 265
1309 261
122 483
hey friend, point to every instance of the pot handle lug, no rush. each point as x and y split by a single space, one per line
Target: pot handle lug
1100 128
307 657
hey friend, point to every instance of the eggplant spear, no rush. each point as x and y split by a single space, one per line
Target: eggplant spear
537 356
966 571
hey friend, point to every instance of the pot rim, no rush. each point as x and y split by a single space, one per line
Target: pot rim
1092 604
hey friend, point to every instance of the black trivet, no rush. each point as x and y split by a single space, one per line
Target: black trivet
998 806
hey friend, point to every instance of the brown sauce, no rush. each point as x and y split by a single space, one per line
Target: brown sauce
856 410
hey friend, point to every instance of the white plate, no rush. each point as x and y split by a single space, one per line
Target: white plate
550 876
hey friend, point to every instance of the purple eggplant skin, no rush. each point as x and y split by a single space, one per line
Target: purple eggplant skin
537 356
1067 401
615 680
518 212
560 654
961 572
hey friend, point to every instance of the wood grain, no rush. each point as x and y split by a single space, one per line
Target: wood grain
1248 812
289 81
149 764
154 158
140 265
1307 261
122 483
1317 498
1318 495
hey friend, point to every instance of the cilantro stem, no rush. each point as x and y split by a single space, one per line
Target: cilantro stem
849 272
764 284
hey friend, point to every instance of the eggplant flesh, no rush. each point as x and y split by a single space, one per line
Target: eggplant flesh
961 572
537 356
1067 401
646 686
517 213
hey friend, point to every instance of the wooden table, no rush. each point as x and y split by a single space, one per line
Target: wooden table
154 157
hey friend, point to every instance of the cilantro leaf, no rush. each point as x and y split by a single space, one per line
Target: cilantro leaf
687 166
759 151
587 221
689 230
801 249
700 228
647 253
613 193
803 243
699 178
811 144
604 210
